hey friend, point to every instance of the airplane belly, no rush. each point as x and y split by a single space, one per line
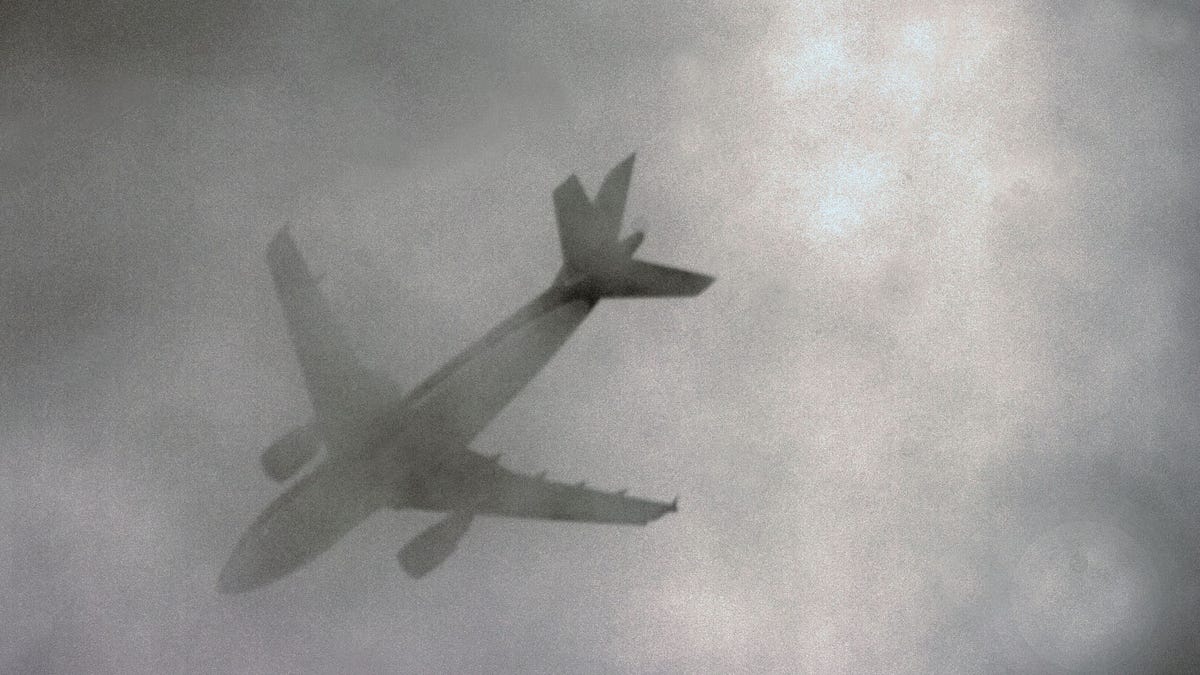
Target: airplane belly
459 406
301 524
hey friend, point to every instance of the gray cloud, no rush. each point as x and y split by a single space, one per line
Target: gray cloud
936 415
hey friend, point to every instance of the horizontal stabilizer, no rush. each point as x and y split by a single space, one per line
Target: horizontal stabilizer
637 279
630 244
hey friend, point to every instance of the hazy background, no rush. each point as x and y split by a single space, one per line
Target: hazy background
937 415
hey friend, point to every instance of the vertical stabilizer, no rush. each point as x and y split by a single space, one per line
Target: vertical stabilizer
610 200
580 241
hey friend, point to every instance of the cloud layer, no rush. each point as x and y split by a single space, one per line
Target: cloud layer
936 414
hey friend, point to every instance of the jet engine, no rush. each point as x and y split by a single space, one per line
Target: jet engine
428 549
287 455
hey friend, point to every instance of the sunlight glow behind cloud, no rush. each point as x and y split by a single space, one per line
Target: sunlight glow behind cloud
856 183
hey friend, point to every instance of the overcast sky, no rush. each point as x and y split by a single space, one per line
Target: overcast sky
938 414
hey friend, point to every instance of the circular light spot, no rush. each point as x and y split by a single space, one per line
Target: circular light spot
1084 594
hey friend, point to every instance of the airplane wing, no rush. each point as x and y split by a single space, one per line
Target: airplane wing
344 394
520 496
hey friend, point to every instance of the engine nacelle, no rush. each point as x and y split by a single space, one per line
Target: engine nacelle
287 455
428 549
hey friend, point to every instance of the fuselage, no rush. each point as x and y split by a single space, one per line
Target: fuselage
452 405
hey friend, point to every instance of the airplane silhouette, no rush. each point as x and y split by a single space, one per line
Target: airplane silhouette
388 449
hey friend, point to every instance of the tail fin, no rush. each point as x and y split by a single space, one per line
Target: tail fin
639 279
595 263
580 240
587 230
610 200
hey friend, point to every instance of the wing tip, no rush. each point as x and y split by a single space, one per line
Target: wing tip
661 509
701 283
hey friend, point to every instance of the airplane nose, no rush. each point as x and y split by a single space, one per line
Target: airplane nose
243 572
298 526
232 581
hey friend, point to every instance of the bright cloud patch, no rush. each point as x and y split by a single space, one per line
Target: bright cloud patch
820 62
853 186
918 37
905 84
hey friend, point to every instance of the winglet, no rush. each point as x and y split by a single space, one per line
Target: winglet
675 504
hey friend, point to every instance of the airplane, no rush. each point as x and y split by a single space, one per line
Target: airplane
385 448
